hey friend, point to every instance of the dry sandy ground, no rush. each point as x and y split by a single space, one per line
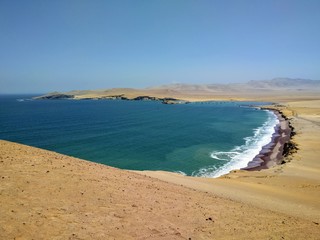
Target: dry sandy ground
45 195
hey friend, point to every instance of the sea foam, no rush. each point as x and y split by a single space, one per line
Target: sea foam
240 156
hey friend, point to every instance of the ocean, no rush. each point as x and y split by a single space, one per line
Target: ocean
198 139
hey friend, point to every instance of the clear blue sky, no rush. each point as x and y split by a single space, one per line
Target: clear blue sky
49 45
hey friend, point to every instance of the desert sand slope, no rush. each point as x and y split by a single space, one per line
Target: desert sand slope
45 195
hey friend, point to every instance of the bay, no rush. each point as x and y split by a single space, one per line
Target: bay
198 139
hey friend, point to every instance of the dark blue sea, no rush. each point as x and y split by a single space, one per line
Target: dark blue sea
198 139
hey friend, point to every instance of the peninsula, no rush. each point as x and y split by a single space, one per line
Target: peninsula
275 90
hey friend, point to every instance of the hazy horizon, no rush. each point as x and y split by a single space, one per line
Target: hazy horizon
77 45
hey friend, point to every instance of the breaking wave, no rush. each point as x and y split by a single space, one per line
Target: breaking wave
240 156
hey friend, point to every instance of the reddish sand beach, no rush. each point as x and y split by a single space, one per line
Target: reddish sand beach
272 154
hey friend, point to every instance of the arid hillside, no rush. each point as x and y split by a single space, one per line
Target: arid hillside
278 89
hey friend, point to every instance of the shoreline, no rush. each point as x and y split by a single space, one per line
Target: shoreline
291 188
256 163
273 153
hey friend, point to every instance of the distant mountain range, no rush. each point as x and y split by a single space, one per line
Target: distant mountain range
283 83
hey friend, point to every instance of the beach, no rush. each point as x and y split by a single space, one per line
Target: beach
49 195
280 145
291 188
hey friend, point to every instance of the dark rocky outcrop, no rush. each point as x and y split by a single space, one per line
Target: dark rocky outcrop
162 100
145 98
115 97
55 96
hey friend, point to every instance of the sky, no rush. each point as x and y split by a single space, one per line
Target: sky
64 45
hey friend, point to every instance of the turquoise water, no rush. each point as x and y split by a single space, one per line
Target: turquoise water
199 139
